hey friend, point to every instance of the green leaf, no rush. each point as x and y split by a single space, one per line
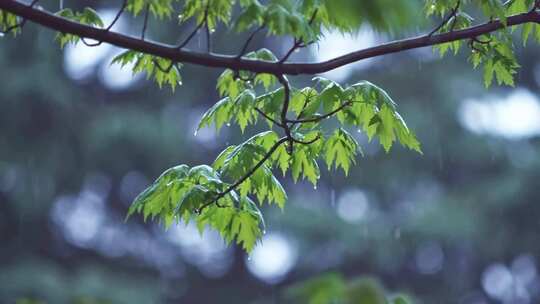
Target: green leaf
250 16
219 114
162 70
161 198
401 299
365 290
228 85
331 97
244 110
158 8
304 157
88 17
9 21
242 223
236 162
340 150
214 11
323 289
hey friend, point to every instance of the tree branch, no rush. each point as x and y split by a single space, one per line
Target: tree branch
224 61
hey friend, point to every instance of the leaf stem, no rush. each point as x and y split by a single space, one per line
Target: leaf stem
246 176
321 117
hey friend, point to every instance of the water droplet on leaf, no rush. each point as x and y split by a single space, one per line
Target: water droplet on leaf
228 124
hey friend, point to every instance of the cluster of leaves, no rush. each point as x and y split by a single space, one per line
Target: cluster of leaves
520 6
159 8
162 70
87 16
246 170
210 11
9 21
334 288
495 51
180 191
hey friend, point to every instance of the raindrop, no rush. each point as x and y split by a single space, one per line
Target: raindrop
359 131
297 50
264 231
180 17
180 82
315 187
228 124
333 198
195 133
212 30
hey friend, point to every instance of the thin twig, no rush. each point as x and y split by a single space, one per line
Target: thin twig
208 40
145 24
248 41
197 28
474 48
297 42
451 15
309 142
117 17
268 117
296 45
246 176
159 67
91 44
321 117
108 28
304 106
